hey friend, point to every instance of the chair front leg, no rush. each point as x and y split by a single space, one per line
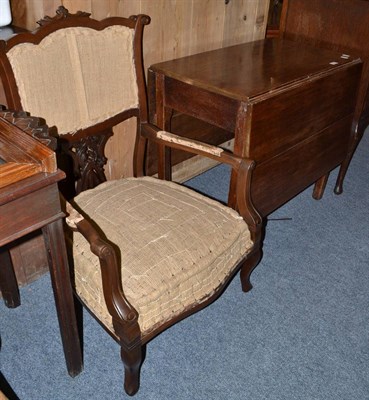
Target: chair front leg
132 360
247 267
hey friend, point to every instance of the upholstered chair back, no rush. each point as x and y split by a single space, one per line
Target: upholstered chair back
58 77
83 77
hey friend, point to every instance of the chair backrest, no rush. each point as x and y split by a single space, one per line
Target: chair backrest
77 72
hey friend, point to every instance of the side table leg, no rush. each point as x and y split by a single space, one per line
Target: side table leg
319 187
64 300
338 189
8 281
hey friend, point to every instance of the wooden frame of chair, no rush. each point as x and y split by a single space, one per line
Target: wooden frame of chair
125 317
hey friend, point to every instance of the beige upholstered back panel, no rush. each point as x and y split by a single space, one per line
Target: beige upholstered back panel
77 77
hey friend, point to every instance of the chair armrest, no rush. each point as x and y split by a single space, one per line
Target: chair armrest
245 205
118 305
243 166
172 140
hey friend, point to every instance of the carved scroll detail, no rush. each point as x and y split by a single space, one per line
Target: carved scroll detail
61 13
88 160
34 126
144 18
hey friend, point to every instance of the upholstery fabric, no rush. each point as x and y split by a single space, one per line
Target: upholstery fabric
57 78
177 247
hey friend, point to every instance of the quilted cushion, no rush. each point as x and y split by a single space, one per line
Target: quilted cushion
177 247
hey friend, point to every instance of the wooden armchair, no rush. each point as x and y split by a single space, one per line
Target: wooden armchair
146 252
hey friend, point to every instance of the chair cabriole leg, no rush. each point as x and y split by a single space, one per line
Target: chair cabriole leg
247 267
132 360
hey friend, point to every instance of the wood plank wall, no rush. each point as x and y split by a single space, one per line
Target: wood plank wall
178 28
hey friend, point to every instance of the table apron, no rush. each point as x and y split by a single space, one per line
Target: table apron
29 213
214 108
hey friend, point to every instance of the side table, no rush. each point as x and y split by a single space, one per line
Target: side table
29 200
289 105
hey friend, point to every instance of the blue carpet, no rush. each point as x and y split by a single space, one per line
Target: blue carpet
301 333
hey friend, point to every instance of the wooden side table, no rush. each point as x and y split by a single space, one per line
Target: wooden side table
33 248
29 200
289 105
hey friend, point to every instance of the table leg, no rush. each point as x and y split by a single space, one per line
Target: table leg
338 189
163 121
239 149
8 281
319 187
64 300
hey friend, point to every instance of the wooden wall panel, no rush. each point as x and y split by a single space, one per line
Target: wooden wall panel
207 25
29 258
103 9
240 22
261 20
167 36
27 12
76 5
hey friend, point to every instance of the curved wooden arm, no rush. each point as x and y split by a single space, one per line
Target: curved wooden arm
170 139
246 207
118 305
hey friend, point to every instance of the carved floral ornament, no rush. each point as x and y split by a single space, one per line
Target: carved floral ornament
61 13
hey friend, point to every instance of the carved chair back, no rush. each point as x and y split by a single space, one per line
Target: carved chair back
82 76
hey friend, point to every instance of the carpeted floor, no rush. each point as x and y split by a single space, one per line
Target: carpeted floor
301 333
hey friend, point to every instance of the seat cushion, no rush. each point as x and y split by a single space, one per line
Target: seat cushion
177 247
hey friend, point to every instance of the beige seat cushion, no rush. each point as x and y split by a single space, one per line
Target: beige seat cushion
177 247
